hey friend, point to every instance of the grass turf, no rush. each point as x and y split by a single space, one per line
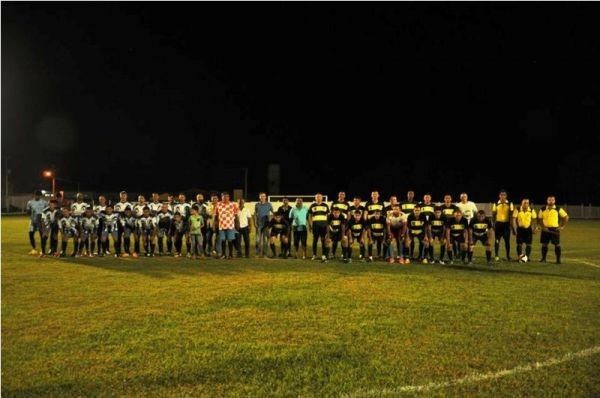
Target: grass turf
167 326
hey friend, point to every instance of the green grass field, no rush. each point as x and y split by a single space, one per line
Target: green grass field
166 326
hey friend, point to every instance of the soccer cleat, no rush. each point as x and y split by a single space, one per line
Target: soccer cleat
125 255
441 262
391 260
490 262
313 258
407 261
134 255
400 260
497 258
33 252
370 259
424 261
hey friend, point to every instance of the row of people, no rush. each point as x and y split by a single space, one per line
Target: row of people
206 227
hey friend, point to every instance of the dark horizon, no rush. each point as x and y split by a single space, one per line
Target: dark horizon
141 96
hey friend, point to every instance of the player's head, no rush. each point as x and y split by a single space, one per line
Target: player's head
318 197
437 212
177 216
285 200
127 211
194 210
341 196
37 195
170 198
417 210
410 195
525 204
481 215
52 204
336 212
393 199
396 210
146 211
262 196
241 203
458 214
155 197
278 215
356 201
123 196
181 198
66 212
357 215
164 207
141 199
214 198
448 199
109 209
102 200
225 196
464 197
551 200
298 202
502 194
79 196
374 196
427 198
88 211
200 198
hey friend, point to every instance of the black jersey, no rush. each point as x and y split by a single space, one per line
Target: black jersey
343 206
437 225
448 211
353 208
387 210
480 228
377 226
336 225
356 228
457 228
416 225
286 212
372 207
427 209
407 207
319 213
279 227
178 227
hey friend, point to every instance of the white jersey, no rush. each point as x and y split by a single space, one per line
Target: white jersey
468 209
396 222
183 209
121 206
88 225
155 207
146 223
99 210
68 225
110 221
138 209
78 208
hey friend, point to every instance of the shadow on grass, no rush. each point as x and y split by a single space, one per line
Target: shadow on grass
168 267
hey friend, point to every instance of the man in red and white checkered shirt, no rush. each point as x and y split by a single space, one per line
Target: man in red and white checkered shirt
226 212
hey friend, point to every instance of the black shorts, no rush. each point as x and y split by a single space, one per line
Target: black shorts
484 239
421 236
458 239
278 234
335 236
524 235
439 235
502 230
553 236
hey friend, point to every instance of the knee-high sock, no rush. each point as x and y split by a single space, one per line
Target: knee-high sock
557 251
334 247
470 256
32 239
370 249
528 250
519 249
44 240
442 252
488 255
507 247
544 252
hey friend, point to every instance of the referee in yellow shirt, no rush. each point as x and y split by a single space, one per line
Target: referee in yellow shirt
552 220
501 214
524 226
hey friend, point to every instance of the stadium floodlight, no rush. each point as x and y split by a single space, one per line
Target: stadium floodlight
50 174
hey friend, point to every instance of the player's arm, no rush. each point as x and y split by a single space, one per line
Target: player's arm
470 233
563 219
513 221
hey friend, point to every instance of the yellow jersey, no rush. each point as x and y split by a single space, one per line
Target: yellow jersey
550 216
502 211
524 217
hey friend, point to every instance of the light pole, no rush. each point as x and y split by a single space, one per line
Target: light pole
50 174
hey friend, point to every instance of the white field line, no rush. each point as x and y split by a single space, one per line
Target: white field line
477 377
583 261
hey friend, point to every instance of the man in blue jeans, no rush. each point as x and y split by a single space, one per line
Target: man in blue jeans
262 215
299 216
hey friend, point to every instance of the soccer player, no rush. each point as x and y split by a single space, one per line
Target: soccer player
120 207
356 205
50 227
226 213
416 227
409 204
69 229
524 224
171 202
317 224
395 228
437 230
279 228
203 211
35 208
285 209
299 225
177 232
336 232
373 205
183 208
262 215
341 204
457 234
502 212
146 227
78 208
99 210
163 220
480 230
468 208
552 219
211 243
356 233
128 225
196 223
448 208
110 227
88 227
138 212
376 229
156 204
427 207
387 210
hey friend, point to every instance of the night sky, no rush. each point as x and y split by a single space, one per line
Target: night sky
167 97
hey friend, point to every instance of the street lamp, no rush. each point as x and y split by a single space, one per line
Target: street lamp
50 174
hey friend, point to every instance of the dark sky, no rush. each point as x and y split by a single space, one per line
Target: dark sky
164 96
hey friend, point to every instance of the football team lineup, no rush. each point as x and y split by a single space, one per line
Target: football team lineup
379 230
